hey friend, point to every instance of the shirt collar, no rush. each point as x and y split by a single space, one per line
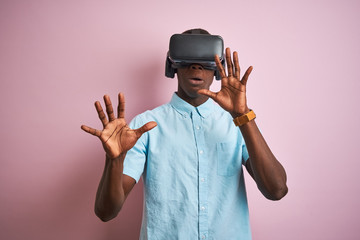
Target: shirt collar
185 108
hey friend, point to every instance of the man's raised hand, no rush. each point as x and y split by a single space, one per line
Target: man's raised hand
232 95
117 138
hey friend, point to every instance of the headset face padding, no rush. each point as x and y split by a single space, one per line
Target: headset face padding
186 49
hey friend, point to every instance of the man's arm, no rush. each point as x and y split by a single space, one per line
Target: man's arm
113 189
262 165
117 138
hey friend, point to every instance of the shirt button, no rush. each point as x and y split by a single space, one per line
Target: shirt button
202 208
202 179
201 151
197 127
203 237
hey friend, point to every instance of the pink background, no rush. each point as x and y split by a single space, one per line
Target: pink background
58 57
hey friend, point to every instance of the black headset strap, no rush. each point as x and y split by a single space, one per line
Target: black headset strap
195 31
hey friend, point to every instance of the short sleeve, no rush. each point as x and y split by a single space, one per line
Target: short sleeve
135 158
245 154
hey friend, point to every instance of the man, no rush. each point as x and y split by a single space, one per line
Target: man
191 160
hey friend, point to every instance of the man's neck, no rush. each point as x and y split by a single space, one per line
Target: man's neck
195 101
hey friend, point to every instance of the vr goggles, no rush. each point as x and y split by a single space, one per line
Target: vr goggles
187 49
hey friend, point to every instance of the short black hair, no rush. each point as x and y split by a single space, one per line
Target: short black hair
196 31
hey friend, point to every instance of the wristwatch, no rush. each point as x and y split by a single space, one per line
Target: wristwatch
239 121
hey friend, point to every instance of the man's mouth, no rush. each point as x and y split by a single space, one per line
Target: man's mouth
196 81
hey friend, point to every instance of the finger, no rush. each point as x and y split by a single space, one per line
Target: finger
101 113
229 62
121 106
146 127
246 75
220 66
90 130
208 93
109 108
237 66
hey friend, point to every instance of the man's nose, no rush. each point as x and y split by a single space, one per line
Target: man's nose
196 66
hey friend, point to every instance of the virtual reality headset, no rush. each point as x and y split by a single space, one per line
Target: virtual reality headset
187 49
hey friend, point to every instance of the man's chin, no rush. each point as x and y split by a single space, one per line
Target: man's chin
198 96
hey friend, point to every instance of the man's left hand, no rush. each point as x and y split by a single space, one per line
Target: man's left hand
232 95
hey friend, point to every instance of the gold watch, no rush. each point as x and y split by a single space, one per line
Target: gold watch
239 121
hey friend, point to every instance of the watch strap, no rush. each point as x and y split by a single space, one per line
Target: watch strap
239 121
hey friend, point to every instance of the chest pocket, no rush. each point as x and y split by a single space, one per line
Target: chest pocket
228 158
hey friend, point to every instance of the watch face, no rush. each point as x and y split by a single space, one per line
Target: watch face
239 121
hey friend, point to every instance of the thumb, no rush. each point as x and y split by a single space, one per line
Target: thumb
146 127
208 93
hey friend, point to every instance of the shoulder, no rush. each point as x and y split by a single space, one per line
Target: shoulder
223 121
221 115
157 114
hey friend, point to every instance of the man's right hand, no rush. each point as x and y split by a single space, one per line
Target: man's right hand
117 138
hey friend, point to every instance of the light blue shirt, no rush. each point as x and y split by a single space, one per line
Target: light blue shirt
191 165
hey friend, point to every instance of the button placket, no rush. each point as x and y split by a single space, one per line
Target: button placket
202 174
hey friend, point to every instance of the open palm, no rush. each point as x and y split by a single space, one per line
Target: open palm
232 95
116 136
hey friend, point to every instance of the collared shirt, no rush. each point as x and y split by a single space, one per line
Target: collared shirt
191 165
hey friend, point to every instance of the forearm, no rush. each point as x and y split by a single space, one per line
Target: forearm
268 173
110 195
